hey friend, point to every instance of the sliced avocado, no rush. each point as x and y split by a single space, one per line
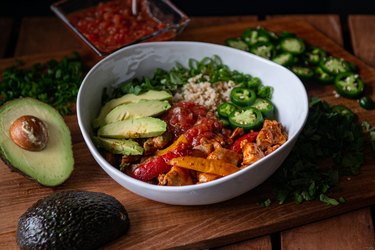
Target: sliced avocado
50 166
72 220
143 127
119 146
135 110
130 98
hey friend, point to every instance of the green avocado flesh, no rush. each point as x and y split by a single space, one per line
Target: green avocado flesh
129 98
143 127
72 220
119 146
137 110
51 166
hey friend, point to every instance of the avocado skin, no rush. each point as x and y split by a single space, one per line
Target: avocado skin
72 220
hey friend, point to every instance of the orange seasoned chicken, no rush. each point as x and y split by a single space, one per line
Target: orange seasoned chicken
225 155
271 135
251 153
176 177
152 144
206 177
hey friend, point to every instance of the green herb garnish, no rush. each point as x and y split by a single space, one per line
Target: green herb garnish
371 131
54 82
331 145
171 80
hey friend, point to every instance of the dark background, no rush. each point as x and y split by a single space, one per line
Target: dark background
19 8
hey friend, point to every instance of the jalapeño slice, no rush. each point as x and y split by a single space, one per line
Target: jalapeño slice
225 109
237 43
349 85
263 49
265 106
255 35
242 96
284 59
322 76
292 45
247 118
303 72
335 66
315 55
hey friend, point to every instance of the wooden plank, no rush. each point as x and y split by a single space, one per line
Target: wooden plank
261 243
156 225
44 35
349 231
362 33
205 21
327 24
6 25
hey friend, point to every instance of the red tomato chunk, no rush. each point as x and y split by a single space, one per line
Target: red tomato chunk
111 24
192 120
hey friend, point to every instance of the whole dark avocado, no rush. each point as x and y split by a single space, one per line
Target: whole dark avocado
72 220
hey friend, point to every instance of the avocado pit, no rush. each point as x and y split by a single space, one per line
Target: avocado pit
29 133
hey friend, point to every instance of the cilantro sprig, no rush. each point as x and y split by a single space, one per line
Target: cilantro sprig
54 82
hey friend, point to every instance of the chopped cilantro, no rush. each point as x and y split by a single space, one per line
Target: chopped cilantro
266 202
331 145
54 82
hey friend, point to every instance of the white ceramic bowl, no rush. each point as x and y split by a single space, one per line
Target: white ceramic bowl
139 60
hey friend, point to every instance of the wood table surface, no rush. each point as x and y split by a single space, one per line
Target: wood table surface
35 37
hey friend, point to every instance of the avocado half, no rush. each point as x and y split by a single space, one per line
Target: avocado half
51 166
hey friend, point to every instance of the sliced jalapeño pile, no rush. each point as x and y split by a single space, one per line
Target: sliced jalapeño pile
308 62
248 107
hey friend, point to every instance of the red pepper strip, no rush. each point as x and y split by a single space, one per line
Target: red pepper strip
150 169
250 137
158 165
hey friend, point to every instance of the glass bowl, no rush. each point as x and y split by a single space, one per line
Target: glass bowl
108 25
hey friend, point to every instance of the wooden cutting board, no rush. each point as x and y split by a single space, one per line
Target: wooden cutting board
155 225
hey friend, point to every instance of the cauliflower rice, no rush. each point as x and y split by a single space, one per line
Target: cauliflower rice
200 90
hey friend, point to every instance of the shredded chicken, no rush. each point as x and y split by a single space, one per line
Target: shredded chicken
152 144
270 135
207 177
237 132
225 155
207 146
251 153
176 177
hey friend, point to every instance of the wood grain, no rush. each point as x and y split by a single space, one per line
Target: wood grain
356 232
156 225
45 34
6 25
205 21
48 34
362 35
327 24
261 243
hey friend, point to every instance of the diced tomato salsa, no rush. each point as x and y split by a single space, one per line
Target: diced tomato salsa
111 24
193 120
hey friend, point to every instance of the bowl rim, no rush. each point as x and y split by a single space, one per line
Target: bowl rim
98 157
